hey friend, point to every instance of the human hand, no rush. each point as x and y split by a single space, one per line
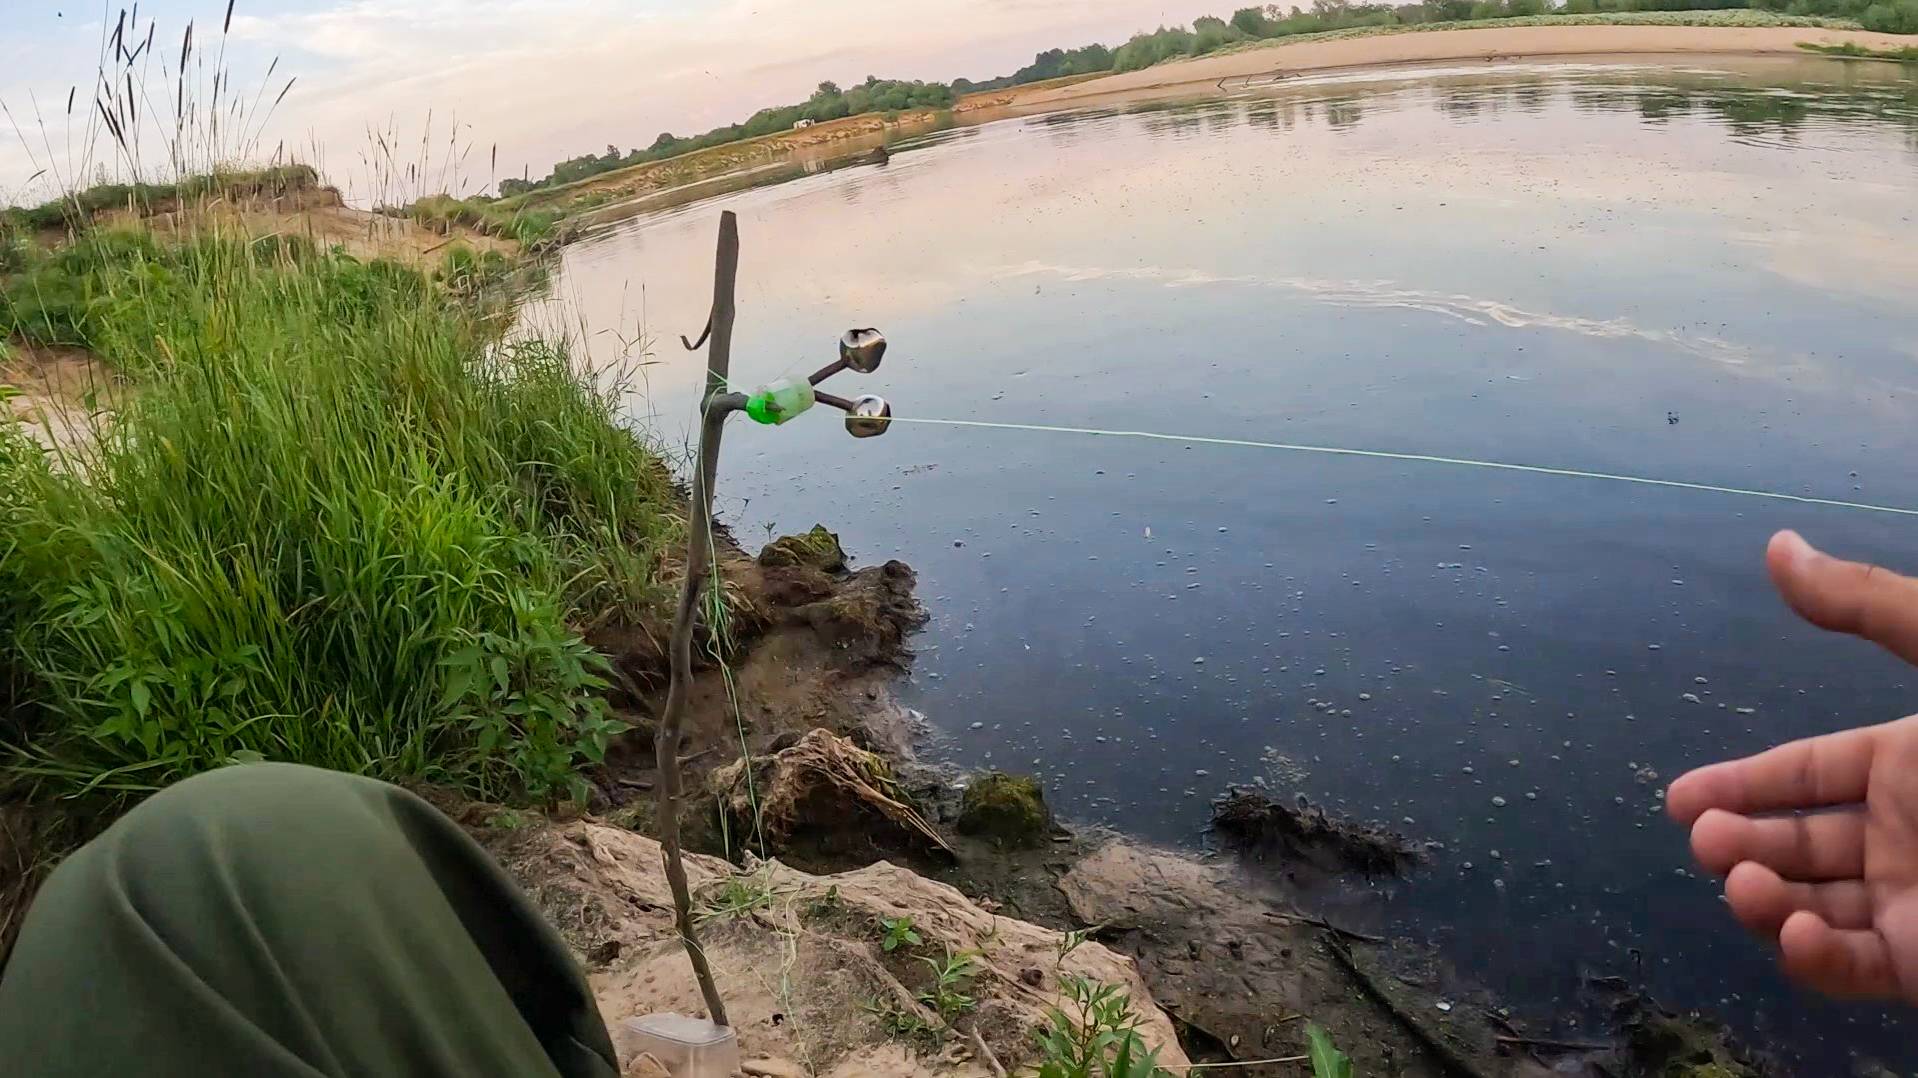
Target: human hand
1836 890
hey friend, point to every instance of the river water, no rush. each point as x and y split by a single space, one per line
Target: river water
1702 274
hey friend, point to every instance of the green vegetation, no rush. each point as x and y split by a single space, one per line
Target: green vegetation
1327 1060
1273 22
1050 64
1860 52
898 932
334 521
81 207
487 216
1209 34
1098 1039
828 102
950 978
1009 809
736 897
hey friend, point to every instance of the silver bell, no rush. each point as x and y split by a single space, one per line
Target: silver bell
870 416
862 349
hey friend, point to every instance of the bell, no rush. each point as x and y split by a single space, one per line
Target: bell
870 416
862 349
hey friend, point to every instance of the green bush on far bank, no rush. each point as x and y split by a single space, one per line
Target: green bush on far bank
333 521
487 216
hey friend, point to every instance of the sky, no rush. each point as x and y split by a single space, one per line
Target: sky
541 79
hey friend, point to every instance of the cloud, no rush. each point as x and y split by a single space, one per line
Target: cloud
549 79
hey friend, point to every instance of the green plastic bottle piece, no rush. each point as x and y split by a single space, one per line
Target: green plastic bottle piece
776 402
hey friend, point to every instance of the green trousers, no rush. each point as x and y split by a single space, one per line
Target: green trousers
273 920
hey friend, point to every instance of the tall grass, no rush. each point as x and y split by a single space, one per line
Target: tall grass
491 217
334 523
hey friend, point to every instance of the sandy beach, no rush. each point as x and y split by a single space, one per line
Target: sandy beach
1493 43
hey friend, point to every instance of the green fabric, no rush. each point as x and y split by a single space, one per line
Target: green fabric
276 920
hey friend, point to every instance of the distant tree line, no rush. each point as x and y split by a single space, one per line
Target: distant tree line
1207 34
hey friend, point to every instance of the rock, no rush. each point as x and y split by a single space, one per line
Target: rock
1009 809
868 617
817 549
798 982
821 793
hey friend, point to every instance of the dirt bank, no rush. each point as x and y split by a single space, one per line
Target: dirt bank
828 139
52 391
1489 44
803 962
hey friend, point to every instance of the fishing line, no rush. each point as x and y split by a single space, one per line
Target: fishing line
1416 458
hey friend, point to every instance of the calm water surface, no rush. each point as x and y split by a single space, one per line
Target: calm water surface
1691 274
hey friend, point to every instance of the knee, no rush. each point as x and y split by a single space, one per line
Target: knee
246 813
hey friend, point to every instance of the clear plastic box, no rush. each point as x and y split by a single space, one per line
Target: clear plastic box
688 1047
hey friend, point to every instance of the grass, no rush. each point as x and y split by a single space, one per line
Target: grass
951 976
1851 50
503 218
81 207
337 522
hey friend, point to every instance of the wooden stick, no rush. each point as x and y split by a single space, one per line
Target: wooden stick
698 548
985 1053
1318 922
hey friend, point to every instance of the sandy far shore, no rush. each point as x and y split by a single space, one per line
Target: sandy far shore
1492 43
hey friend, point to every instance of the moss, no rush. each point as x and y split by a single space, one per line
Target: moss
817 549
1009 809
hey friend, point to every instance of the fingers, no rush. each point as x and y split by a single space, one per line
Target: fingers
1826 846
1813 773
1840 962
1846 596
1763 902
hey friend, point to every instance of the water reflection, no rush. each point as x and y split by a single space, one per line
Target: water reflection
1704 275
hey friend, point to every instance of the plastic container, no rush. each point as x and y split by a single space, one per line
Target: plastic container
688 1047
777 402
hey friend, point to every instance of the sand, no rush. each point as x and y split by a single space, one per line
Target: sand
1493 43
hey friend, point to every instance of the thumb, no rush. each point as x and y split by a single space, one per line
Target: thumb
1846 596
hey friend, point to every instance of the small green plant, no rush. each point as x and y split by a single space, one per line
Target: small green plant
1327 1060
950 979
902 1024
898 933
1072 939
736 897
827 904
1099 1039
508 820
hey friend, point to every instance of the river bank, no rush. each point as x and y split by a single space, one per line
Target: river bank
1225 958
1568 38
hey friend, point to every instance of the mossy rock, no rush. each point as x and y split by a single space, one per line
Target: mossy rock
1009 809
816 549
